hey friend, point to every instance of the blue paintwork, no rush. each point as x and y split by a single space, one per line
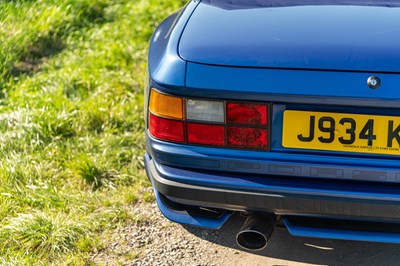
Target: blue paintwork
362 38
278 195
294 86
183 217
342 234
248 4
277 163
267 183
164 64
301 58
282 187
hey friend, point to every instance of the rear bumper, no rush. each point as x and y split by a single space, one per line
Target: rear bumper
228 192
265 194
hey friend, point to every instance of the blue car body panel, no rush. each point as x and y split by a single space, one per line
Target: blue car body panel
273 164
165 66
293 86
344 234
294 56
333 37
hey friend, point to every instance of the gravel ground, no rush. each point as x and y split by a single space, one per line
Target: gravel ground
156 241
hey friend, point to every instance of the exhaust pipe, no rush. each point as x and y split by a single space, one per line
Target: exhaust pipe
256 231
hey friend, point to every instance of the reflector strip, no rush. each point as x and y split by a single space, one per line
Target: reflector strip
166 106
205 134
166 129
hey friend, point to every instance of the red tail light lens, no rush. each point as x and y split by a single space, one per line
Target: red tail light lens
166 129
246 114
206 134
250 138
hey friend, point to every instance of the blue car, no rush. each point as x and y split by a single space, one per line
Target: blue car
284 110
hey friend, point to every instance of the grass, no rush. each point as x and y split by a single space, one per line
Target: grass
71 127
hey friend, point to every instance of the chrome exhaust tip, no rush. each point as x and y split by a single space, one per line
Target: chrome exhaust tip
256 232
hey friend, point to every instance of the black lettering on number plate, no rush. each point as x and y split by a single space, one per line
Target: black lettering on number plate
368 132
326 124
393 134
311 132
350 130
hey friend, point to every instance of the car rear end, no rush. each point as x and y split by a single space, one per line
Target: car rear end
289 112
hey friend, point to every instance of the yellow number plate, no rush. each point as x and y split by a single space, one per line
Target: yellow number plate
341 132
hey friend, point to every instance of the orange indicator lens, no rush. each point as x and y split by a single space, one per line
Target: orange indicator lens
166 106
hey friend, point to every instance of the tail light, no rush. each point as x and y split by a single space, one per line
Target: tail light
166 129
205 134
207 122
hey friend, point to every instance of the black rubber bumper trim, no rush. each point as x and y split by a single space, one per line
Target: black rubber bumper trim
282 204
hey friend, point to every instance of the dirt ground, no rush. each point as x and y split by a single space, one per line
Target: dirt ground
161 242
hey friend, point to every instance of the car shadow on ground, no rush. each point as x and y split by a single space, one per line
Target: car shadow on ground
306 250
